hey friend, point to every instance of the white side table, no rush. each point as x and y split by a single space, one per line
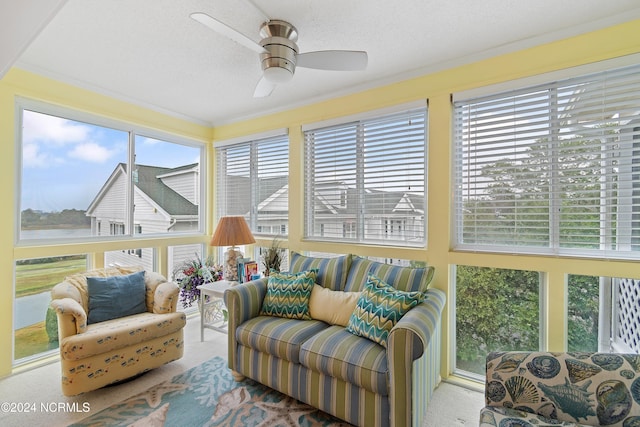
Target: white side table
212 315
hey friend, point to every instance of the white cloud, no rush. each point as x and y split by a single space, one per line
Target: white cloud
33 157
91 152
41 127
149 141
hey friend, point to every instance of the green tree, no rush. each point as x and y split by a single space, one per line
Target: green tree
584 299
496 309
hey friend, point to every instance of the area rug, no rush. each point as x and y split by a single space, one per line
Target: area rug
207 395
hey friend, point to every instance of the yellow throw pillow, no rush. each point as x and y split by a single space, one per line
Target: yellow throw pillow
333 307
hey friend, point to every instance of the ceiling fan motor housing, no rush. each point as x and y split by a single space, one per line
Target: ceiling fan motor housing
279 62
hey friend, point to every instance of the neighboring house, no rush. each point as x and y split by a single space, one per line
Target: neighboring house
388 215
165 200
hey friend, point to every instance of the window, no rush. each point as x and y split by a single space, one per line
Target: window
584 310
252 180
551 168
86 179
35 323
365 180
496 310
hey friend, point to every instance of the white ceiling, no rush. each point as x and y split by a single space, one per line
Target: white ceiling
151 53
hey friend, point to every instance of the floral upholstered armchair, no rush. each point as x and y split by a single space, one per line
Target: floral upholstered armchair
527 389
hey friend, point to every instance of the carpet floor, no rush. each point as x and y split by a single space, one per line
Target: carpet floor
207 395
40 385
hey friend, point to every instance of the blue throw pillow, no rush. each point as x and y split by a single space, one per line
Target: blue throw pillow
116 296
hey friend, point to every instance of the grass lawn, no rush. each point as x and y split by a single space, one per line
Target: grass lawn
36 278
32 340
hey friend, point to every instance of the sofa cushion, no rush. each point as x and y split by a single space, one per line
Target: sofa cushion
332 307
118 333
332 272
278 336
337 353
408 279
288 294
116 296
379 308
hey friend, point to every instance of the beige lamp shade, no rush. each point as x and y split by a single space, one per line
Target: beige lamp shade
232 231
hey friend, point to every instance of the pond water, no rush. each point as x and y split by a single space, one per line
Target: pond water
30 309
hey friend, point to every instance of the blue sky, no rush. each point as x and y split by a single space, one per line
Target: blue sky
65 162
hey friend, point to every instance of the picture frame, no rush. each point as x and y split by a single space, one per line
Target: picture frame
250 270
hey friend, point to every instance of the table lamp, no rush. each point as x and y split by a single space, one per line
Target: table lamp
232 231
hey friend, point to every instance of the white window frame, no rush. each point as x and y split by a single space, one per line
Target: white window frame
253 143
616 160
317 230
133 131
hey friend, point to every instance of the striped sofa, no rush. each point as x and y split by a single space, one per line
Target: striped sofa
326 366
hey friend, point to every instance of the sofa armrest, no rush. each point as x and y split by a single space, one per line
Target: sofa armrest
72 319
165 298
243 302
415 336
417 326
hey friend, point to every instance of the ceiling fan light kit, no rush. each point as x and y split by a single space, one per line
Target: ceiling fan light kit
279 59
279 52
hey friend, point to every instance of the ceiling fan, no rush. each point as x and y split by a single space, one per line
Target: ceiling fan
279 54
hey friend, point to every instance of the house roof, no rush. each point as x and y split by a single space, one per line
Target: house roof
242 205
149 182
168 199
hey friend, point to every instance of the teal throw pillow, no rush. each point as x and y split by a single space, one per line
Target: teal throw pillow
379 308
288 294
116 296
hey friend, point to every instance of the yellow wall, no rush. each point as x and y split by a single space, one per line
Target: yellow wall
608 43
18 83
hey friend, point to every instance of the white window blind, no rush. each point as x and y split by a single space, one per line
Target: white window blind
553 168
365 180
252 181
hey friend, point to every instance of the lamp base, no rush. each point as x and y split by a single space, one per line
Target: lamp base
231 264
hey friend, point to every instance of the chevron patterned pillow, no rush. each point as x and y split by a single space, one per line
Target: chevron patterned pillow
379 308
288 294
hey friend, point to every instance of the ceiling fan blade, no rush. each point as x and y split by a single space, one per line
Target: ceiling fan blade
227 31
263 88
338 60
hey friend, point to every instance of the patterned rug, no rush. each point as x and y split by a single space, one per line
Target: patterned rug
207 395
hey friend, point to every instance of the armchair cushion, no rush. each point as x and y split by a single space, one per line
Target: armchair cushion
379 308
288 294
116 296
116 334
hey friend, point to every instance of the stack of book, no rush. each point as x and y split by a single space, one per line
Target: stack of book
247 270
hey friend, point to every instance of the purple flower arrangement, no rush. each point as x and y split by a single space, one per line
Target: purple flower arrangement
192 274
